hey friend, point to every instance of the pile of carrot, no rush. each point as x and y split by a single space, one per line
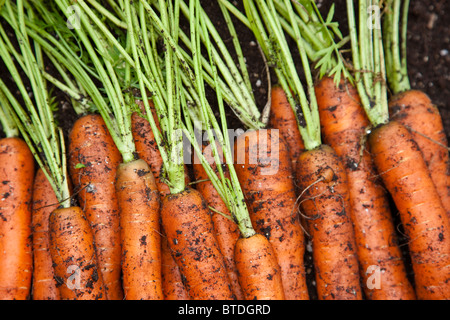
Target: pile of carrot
339 189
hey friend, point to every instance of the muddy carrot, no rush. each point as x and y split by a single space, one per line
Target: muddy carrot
139 219
413 108
401 166
93 162
74 257
44 202
344 127
226 230
266 178
16 185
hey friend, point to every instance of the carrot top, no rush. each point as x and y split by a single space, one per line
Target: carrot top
368 59
395 26
228 188
36 120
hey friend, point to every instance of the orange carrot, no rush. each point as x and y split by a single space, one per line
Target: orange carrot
139 204
187 223
344 124
405 174
283 118
226 230
259 272
74 256
44 202
270 194
414 110
93 161
172 282
147 149
16 183
325 200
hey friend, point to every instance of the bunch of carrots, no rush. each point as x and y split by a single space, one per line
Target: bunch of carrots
120 208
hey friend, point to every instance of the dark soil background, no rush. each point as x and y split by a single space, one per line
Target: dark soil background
428 66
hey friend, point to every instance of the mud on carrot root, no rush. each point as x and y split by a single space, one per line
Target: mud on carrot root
188 226
73 254
325 200
417 113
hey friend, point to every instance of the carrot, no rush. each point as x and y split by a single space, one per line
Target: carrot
326 202
402 168
147 149
93 161
415 111
187 223
172 282
74 257
16 177
282 117
270 194
44 202
226 230
413 108
259 271
139 203
344 123
405 174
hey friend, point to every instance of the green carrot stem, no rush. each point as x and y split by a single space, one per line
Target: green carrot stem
368 61
395 28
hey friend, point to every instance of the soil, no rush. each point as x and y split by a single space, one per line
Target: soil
428 67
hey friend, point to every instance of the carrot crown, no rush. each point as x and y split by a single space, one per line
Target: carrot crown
395 28
36 120
266 25
368 59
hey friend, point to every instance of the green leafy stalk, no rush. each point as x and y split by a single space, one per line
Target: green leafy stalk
99 51
229 189
264 21
36 120
368 60
395 28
